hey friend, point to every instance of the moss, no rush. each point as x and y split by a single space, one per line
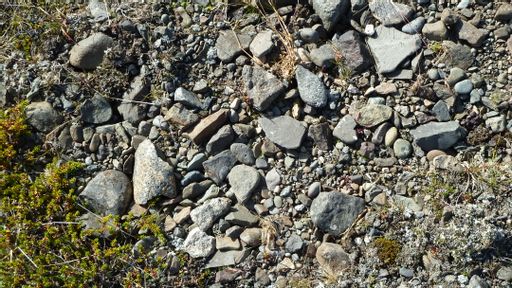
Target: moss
300 283
436 47
387 250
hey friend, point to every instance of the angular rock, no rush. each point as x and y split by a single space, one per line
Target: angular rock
241 216
262 87
228 47
262 44
457 55
332 258
273 178
435 135
323 56
311 89
181 116
373 114
208 126
435 31
402 148
345 130
469 33
96 110
220 140
388 54
207 214
251 236
283 131
441 111
152 176
504 12
218 166
88 53
109 192
294 243
352 50
139 88
330 11
321 135
334 212
242 153
42 116
390 13
415 26
187 98
243 180
198 244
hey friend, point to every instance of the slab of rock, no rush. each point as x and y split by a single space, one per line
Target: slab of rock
415 26
207 214
218 166
332 258
262 87
188 98
42 116
373 114
457 55
334 212
152 176
241 216
283 131
132 112
390 13
228 47
311 88
243 180
181 116
96 110
468 32
243 153
321 135
262 44
352 50
330 11
390 47
220 140
435 31
437 135
345 130
88 53
198 244
208 126
504 12
323 56
109 192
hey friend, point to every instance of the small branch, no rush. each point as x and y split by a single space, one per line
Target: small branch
29 259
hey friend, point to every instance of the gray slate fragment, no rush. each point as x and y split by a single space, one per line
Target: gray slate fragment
220 140
241 216
262 44
198 244
262 87
321 135
96 110
353 51
390 47
243 180
243 153
228 46
88 53
345 130
334 212
42 116
323 56
390 13
218 166
311 88
283 131
330 11
441 111
187 98
206 215
437 135
109 192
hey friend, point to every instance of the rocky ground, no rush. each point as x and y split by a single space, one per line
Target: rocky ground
340 143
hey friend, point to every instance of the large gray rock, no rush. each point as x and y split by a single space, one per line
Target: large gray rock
152 176
435 135
262 87
205 215
187 98
283 131
198 244
243 180
109 192
390 13
311 88
228 47
262 44
352 50
96 110
42 116
345 130
373 114
218 166
88 53
472 35
390 47
330 11
133 112
334 212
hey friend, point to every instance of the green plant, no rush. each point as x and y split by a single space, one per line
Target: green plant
436 47
387 250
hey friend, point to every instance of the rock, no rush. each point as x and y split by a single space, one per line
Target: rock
456 55
241 216
283 131
415 26
352 50
504 13
387 54
380 133
334 212
220 140
321 135
449 18
390 13
456 75
198 244
373 114
441 111
406 272
109 192
88 53
309 35
251 237
463 87
208 126
262 87
330 11
42 116
207 214
139 88
505 273
187 98
218 166
435 31
226 258
345 130
311 89
228 44
96 110
180 116
243 180
262 44
152 176
435 135
433 154
406 203
332 258
497 124
227 243
477 282
323 56
469 33
293 244
402 149
98 10
242 153
273 178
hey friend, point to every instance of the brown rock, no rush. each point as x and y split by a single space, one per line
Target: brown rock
208 126
179 115
332 258
433 154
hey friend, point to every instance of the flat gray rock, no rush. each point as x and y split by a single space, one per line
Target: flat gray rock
390 13
96 110
109 192
262 87
283 131
345 130
206 215
218 166
330 11
198 244
437 135
262 44
311 89
334 212
373 114
42 116
390 47
152 176
188 98
354 53
242 153
243 180
220 140
88 53
228 47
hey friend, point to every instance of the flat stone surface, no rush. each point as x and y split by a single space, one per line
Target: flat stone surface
373 115
311 89
333 258
42 116
208 126
96 110
198 244
220 140
87 54
181 116
437 135
262 44
109 192
283 131
334 212
206 215
228 47
262 87
468 32
330 11
345 130
353 51
243 180
187 98
218 166
390 13
390 47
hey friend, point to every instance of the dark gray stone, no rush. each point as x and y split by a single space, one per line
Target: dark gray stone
330 11
242 153
311 88
283 131
96 110
220 140
109 192
435 135
42 116
334 212
262 87
390 13
352 50
218 166
441 111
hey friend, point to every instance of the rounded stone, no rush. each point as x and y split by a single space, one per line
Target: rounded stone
463 87
109 192
433 154
391 136
402 148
